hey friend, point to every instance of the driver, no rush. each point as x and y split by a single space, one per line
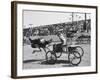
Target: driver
58 47
62 38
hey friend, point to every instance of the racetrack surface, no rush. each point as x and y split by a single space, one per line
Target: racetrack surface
37 60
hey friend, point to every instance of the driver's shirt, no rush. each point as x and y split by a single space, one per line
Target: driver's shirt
63 38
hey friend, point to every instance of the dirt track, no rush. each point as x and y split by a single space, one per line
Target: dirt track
37 60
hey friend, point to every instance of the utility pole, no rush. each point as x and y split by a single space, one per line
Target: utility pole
84 25
72 16
85 22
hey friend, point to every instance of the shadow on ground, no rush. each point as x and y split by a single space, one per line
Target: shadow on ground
32 60
64 63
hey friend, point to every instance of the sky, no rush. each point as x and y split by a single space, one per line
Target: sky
38 18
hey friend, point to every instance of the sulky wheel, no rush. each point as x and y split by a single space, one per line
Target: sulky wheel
58 54
50 57
74 58
80 50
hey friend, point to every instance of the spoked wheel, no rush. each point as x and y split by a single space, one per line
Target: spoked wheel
64 49
50 57
74 58
80 50
58 54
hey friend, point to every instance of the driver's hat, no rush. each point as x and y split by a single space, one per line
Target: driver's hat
60 30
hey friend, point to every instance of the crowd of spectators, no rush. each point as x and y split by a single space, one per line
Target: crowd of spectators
52 29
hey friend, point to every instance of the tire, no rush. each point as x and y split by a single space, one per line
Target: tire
74 58
58 54
51 57
80 50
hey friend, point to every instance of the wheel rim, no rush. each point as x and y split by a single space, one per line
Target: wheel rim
50 57
80 50
74 59
58 54
77 54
